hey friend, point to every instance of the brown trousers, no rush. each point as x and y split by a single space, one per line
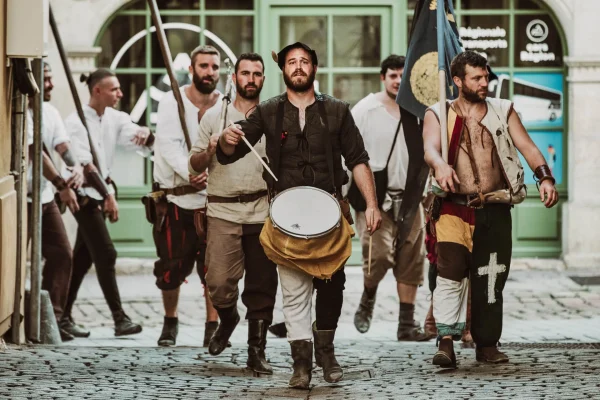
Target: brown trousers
56 250
233 249
407 262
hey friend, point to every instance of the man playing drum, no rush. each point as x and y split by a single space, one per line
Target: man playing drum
237 209
306 136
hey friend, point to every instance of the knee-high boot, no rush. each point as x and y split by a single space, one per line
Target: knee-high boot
325 355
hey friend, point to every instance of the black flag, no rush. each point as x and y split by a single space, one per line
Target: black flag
419 89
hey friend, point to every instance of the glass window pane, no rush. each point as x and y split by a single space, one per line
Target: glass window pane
178 4
181 41
121 29
309 30
353 87
487 35
237 32
537 42
527 5
356 41
229 4
484 4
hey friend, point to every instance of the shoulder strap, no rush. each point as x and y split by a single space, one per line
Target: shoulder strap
278 131
327 141
393 143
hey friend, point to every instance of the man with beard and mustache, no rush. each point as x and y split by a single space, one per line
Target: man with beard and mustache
295 125
476 189
178 245
237 209
378 118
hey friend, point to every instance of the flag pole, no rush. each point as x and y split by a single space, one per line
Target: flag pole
441 14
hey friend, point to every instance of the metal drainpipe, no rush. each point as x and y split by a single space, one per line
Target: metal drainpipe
19 173
36 207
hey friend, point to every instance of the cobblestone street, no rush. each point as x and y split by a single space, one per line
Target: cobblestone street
551 333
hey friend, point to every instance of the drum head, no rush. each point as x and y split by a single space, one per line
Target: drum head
305 212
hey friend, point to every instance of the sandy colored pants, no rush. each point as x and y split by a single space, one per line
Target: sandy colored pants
407 263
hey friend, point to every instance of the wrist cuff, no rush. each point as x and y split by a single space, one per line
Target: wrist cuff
59 183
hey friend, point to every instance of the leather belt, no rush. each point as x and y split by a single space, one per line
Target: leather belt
244 198
469 200
180 190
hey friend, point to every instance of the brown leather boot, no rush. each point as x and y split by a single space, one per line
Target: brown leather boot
302 351
491 355
445 357
325 354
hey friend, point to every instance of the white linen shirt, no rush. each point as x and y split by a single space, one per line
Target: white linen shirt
107 131
377 127
53 134
171 152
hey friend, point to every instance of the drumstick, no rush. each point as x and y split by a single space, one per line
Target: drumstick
258 156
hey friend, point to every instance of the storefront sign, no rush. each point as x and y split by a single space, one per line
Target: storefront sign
483 38
537 50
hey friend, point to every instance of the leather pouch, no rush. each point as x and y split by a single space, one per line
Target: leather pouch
345 207
201 222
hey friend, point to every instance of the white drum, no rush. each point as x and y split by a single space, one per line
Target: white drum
305 212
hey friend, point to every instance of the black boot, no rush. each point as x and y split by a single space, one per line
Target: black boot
65 336
257 341
410 330
210 328
229 319
66 324
168 337
325 355
302 355
124 325
364 314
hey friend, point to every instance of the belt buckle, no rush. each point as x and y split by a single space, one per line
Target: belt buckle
471 198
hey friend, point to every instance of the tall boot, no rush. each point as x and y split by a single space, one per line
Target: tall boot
302 355
229 319
325 354
257 341
408 329
124 325
209 330
364 313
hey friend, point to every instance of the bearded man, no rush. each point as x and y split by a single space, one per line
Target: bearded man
178 245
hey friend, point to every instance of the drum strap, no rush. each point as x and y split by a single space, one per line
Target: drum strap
277 149
328 149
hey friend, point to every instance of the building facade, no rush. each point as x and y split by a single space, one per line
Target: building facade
541 50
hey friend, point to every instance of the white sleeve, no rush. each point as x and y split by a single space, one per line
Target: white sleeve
29 127
126 131
169 137
59 136
79 139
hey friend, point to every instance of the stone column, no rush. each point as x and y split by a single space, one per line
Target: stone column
581 215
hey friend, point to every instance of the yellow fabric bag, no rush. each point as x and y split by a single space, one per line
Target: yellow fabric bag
320 257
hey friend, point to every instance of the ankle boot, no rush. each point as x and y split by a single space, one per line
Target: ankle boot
209 330
124 325
410 330
69 326
364 313
445 357
229 319
257 341
490 354
168 336
325 355
302 355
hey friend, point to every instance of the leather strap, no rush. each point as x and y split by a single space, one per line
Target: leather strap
244 198
542 173
180 190
393 143
470 200
327 141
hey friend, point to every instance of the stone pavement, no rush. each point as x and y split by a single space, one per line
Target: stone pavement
551 333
